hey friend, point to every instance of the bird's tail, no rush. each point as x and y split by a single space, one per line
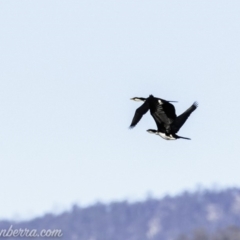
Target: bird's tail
185 138
182 137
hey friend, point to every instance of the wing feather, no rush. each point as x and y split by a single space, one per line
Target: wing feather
163 114
181 119
159 123
139 113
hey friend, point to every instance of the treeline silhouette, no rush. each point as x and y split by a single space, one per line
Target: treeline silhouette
200 215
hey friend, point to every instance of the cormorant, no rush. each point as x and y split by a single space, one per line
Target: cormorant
169 132
163 112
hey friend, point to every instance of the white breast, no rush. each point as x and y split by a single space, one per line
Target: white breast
164 136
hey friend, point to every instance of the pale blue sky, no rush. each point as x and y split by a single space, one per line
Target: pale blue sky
68 70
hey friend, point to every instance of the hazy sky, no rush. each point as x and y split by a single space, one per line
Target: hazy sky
68 70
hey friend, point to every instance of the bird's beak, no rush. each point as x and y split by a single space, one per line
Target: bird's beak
131 98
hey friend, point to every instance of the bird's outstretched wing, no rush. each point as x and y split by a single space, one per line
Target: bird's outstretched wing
160 126
169 110
139 113
181 119
163 114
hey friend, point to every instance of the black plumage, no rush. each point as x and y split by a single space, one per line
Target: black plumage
168 131
163 112
181 119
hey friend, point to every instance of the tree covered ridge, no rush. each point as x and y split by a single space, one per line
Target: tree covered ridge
200 215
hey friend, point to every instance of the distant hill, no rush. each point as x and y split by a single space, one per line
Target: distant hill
203 215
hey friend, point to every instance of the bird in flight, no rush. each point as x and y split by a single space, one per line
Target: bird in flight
163 113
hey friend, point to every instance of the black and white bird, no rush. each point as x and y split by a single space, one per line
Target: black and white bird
169 132
163 112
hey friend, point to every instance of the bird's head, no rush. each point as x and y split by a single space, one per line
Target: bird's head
152 131
138 99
